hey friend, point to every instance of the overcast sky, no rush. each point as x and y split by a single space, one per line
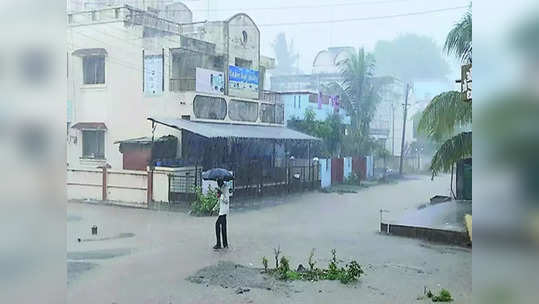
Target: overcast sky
311 38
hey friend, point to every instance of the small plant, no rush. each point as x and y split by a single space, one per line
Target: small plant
350 274
285 265
277 252
265 264
204 204
311 260
444 296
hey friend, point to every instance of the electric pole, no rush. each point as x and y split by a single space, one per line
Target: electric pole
392 132
404 127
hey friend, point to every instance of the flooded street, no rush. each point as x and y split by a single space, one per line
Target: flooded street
145 256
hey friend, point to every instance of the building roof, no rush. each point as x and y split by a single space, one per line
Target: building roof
221 130
90 126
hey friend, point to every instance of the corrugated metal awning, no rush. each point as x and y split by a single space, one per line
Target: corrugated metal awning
221 130
90 126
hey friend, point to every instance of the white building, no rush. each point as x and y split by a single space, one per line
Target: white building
126 64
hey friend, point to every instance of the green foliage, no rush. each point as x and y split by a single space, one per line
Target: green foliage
330 130
444 115
353 179
454 149
350 273
284 266
292 275
205 204
447 114
265 264
410 57
459 40
444 296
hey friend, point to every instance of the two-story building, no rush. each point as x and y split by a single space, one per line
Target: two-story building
297 102
199 82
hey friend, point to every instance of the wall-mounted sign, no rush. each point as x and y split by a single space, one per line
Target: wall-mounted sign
466 82
208 81
153 75
242 82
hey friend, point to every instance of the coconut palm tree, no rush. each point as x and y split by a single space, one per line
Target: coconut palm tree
359 93
447 119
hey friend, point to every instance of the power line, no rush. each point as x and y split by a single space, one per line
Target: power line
295 6
368 18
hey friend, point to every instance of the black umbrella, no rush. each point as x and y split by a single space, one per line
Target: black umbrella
217 173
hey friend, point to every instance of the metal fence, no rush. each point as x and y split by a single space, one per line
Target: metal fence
252 179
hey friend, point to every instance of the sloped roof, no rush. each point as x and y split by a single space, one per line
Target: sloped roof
222 130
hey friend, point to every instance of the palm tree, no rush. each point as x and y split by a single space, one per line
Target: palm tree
359 93
447 119
459 40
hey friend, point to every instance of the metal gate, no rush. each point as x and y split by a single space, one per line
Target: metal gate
182 186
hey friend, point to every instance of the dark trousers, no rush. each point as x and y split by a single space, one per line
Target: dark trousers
220 228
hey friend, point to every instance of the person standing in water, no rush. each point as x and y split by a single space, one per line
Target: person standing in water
220 224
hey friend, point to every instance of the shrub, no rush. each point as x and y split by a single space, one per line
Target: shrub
444 296
353 179
265 263
204 203
284 266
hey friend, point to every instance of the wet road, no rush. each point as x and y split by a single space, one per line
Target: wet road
151 266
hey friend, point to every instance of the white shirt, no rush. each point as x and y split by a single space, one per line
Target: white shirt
224 200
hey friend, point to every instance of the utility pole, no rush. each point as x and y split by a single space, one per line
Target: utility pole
393 132
404 126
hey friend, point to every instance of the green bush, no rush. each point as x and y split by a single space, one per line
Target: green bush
353 179
204 204
444 296
284 268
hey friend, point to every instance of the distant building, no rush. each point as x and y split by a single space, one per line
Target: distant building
296 103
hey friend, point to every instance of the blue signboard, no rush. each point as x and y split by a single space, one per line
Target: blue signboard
242 79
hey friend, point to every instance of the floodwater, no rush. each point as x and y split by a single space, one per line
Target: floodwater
166 248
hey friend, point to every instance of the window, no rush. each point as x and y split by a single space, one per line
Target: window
294 101
244 37
93 144
272 113
209 107
242 63
299 102
242 110
93 68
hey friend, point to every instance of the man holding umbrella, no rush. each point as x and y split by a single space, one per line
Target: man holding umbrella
220 224
223 194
